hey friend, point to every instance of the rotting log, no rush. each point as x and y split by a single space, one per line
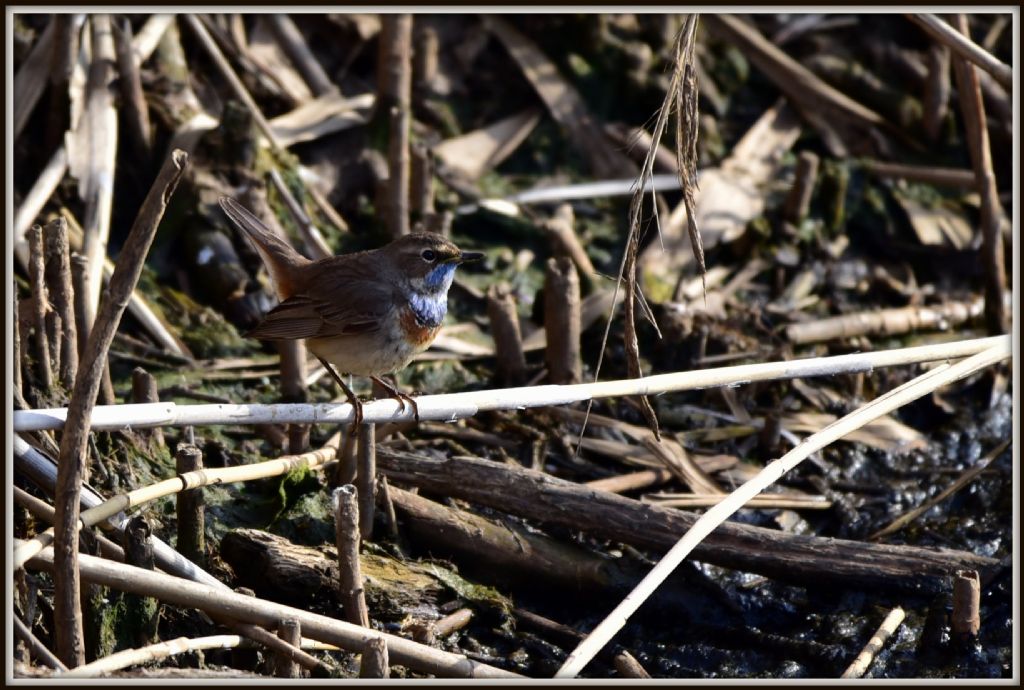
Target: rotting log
796 558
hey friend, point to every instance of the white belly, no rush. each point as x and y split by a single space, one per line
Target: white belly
364 355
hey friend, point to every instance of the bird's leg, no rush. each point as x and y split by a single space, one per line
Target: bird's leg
357 406
398 395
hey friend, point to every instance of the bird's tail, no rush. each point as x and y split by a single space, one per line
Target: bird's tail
278 256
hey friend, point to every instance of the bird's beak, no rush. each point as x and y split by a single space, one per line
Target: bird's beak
469 256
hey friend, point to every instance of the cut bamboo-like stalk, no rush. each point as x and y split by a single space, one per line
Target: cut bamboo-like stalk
562 321
366 478
374 660
191 508
289 630
508 340
350 582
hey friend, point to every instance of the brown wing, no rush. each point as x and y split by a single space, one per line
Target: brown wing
340 298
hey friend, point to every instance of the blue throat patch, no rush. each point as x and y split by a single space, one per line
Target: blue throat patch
431 305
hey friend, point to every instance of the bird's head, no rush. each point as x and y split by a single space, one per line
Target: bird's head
428 260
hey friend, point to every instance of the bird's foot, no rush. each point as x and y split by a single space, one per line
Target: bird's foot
401 397
357 405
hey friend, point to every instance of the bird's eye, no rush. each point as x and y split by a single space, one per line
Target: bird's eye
428 255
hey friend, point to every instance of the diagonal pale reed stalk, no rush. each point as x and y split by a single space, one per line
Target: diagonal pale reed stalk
190 480
902 395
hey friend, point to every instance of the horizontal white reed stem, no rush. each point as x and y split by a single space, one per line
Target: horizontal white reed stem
453 406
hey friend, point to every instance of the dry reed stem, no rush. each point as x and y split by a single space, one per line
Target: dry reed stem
196 23
133 499
144 390
962 481
71 468
62 298
132 97
453 406
798 201
936 92
92 157
714 517
510 361
294 45
191 507
40 305
992 252
966 49
351 592
394 94
562 321
366 478
860 665
801 85
884 322
289 630
311 236
942 177
373 662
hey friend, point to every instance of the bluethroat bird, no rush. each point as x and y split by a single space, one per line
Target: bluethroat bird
367 313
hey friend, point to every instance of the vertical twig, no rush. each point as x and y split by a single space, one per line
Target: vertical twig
425 59
65 51
936 91
191 508
421 180
388 507
508 340
394 92
79 292
62 299
143 613
144 390
798 201
40 305
132 97
562 321
293 389
71 470
366 479
15 339
374 661
350 578
994 265
54 327
289 630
